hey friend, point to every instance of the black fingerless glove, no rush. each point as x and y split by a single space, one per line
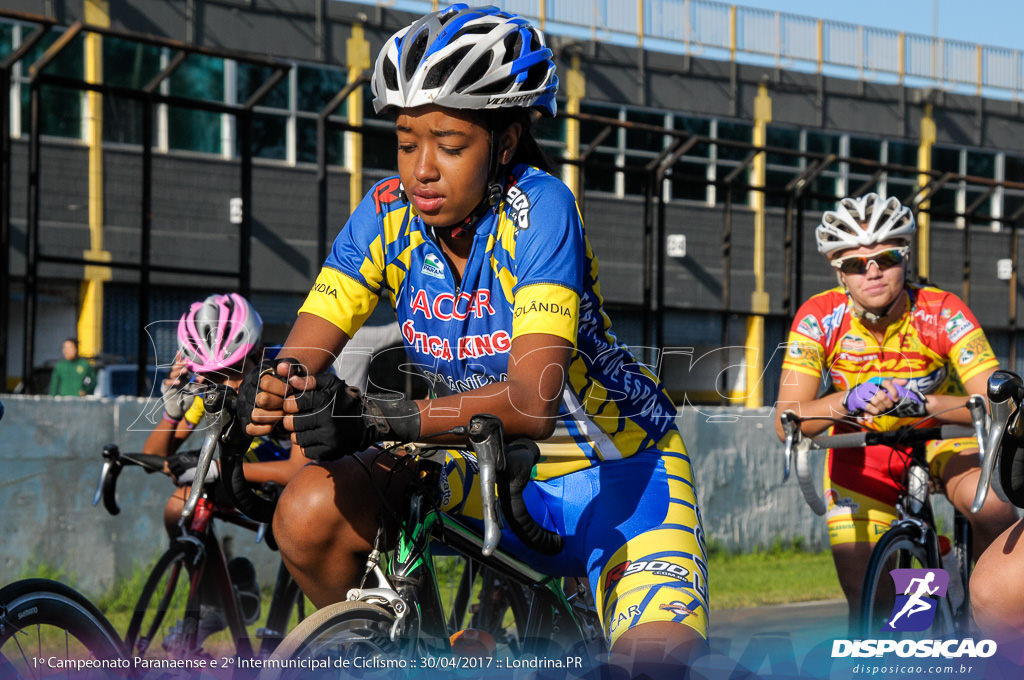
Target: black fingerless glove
183 466
250 387
335 420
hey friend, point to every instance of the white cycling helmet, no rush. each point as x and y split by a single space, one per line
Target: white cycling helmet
218 332
463 58
864 221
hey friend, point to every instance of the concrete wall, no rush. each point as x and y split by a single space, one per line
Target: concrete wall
50 461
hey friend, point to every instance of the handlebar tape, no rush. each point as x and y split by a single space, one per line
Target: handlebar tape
241 493
520 457
1011 470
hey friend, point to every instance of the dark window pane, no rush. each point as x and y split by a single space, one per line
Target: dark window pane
193 130
783 139
1012 204
775 182
868 149
317 87
823 193
905 155
981 164
251 77
1014 168
6 39
122 120
380 149
589 130
943 204
689 181
697 127
822 143
307 144
739 132
946 160
60 110
645 140
599 173
269 136
199 77
129 64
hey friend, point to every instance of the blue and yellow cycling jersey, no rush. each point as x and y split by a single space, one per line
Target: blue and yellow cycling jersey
530 270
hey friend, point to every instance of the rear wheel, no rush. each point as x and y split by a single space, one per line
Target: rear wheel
44 624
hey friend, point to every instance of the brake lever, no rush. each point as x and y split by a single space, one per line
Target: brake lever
792 432
217 419
1003 386
486 435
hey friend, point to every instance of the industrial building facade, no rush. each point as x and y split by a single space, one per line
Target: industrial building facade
697 233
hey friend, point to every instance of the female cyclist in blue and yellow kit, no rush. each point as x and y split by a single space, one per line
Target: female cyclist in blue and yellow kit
877 340
483 256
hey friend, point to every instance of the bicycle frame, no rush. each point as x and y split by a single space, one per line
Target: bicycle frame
407 583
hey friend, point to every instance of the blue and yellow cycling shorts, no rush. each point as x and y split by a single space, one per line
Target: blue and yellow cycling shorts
639 541
862 486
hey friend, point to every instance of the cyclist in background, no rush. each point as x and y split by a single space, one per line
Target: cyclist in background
883 347
219 340
483 256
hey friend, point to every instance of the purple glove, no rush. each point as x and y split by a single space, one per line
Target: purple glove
857 398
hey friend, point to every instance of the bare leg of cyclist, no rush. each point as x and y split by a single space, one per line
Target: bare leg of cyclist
960 479
658 649
851 560
326 521
996 600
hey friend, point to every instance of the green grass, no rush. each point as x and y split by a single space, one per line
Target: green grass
777 575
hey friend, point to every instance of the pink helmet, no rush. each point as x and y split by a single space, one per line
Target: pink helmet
218 332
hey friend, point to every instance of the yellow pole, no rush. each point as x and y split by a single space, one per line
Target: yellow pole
821 44
732 32
358 54
924 166
90 317
575 88
759 302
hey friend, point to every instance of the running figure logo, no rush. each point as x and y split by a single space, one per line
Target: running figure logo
917 593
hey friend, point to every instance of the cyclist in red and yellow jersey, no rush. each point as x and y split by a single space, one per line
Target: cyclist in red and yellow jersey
879 342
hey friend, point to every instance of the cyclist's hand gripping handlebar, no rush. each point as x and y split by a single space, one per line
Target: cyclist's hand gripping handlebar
512 472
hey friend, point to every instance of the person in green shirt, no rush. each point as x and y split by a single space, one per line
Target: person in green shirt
73 376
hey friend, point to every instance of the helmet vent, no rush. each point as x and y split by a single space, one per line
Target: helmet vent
439 73
475 72
390 74
415 54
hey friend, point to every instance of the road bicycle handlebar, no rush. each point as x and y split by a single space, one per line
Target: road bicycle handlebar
798 445
507 471
1005 438
113 462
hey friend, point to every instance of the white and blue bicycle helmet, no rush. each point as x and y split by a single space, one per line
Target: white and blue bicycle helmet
463 58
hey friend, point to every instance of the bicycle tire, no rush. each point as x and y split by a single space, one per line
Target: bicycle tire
344 631
148 630
899 548
42 620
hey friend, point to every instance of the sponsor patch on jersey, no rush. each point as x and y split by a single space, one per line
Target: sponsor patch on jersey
677 608
958 326
519 205
853 343
432 266
809 327
966 356
657 567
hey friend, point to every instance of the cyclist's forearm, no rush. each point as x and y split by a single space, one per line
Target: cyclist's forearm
314 343
948 408
829 406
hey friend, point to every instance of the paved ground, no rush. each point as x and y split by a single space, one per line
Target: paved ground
778 638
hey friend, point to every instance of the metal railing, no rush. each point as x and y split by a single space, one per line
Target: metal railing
723 31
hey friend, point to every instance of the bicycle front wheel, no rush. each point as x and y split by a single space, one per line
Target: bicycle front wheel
354 636
900 548
45 626
161 626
